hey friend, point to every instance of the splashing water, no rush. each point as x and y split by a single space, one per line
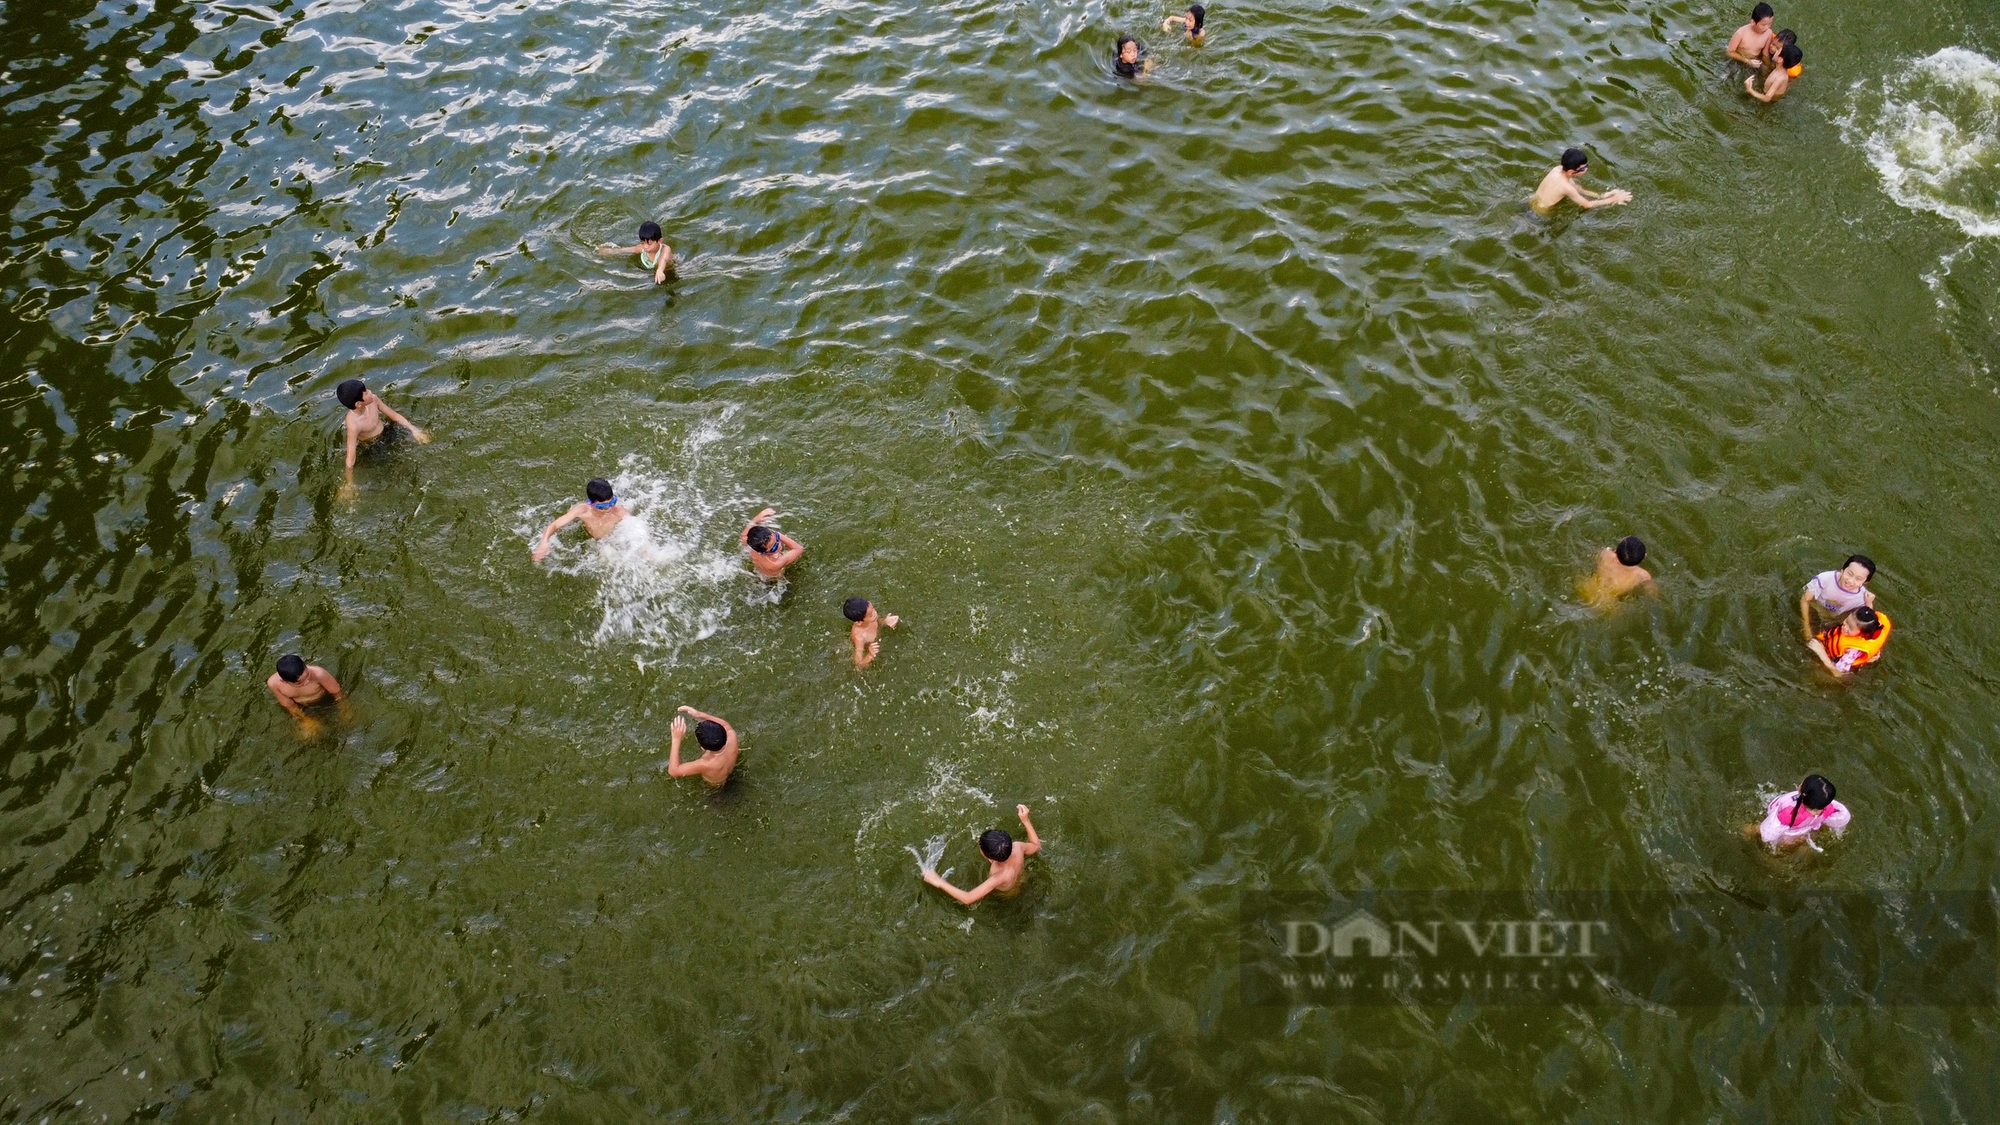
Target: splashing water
665 577
927 860
1933 134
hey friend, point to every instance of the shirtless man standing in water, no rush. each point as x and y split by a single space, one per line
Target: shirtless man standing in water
599 514
365 414
1560 184
299 685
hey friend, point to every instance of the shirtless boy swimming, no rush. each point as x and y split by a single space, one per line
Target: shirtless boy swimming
299 685
1007 859
1747 45
600 514
770 550
1560 184
719 749
866 628
365 414
654 253
1779 81
1618 572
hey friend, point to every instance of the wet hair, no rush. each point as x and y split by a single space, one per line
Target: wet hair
1791 55
1631 551
762 538
855 609
1870 622
1574 158
1762 12
1815 792
1788 36
711 735
649 231
290 667
1119 50
995 844
349 393
1864 560
1200 15
599 490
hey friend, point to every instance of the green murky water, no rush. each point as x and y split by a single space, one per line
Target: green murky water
1231 443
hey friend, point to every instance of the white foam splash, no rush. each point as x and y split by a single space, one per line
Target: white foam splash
1933 135
664 577
927 860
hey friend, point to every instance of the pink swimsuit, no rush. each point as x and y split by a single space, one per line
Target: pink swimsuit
1789 821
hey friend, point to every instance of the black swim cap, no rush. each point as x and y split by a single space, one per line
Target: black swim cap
710 734
349 392
855 609
290 667
599 490
1631 551
649 231
995 844
1574 158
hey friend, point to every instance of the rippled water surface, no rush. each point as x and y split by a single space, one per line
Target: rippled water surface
1232 443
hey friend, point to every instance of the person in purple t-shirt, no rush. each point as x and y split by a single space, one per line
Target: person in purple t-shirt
1838 592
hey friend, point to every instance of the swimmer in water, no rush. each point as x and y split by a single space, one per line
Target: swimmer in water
1194 23
770 551
1560 184
717 740
365 414
1856 641
866 628
1128 59
1783 39
654 253
1747 45
600 514
299 685
1008 860
1779 80
1791 819
1837 593
1618 573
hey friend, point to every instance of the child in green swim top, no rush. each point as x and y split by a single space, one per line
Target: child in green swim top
654 253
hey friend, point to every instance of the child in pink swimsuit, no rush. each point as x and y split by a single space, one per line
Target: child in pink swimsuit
1791 819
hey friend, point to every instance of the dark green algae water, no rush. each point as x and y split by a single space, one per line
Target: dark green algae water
1231 443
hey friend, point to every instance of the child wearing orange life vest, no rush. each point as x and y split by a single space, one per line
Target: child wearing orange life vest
1856 641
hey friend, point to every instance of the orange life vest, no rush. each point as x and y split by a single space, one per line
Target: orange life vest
1839 644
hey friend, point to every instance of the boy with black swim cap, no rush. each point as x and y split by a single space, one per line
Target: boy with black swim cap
866 628
299 685
719 749
1560 184
365 414
654 253
1618 572
1008 859
600 513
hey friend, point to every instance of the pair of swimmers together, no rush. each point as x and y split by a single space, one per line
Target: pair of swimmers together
1776 54
1850 633
1128 57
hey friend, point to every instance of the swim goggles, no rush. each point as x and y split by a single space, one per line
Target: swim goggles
604 505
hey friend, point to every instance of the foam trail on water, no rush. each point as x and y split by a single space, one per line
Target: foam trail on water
1933 134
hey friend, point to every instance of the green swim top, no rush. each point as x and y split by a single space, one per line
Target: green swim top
654 261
